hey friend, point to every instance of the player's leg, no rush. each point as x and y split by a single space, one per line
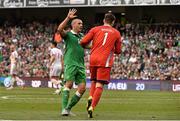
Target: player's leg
80 80
95 99
58 71
77 96
92 88
103 77
12 81
54 73
13 75
55 81
91 93
93 71
65 97
20 81
69 76
97 94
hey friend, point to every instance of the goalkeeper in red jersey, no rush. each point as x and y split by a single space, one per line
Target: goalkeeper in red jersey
106 41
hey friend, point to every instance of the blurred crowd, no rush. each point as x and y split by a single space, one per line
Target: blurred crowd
149 51
32 40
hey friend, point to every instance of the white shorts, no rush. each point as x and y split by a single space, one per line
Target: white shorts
55 70
13 69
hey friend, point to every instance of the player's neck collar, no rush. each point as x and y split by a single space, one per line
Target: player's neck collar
74 32
107 25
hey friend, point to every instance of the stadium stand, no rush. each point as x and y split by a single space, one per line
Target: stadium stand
149 51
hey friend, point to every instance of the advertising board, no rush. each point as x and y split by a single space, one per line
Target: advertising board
82 3
115 84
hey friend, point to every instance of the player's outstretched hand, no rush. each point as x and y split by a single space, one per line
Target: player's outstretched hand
71 13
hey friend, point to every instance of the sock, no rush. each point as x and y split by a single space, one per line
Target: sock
65 97
60 82
92 89
54 81
96 96
19 80
74 100
12 81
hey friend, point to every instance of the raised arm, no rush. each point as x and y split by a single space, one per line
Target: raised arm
63 24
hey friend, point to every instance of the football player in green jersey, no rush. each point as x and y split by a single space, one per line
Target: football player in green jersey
74 68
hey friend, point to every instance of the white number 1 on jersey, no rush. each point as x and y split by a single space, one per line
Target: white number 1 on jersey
105 38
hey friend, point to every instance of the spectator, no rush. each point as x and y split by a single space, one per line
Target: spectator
148 51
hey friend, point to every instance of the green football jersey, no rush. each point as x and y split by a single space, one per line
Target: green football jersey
74 53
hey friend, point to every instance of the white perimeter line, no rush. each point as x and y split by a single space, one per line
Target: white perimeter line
55 98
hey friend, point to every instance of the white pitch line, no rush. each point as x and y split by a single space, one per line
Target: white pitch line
22 98
5 97
55 98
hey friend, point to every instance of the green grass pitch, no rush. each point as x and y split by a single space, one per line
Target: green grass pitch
41 104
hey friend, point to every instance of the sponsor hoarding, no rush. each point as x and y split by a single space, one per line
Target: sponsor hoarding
176 86
2 80
55 3
82 3
138 85
12 3
115 84
133 2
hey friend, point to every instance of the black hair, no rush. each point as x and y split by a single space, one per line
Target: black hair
54 43
109 17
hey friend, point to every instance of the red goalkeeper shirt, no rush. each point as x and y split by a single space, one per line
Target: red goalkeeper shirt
106 41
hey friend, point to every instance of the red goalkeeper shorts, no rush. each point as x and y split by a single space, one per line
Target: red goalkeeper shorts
100 74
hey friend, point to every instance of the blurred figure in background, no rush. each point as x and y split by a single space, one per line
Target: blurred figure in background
14 68
56 65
